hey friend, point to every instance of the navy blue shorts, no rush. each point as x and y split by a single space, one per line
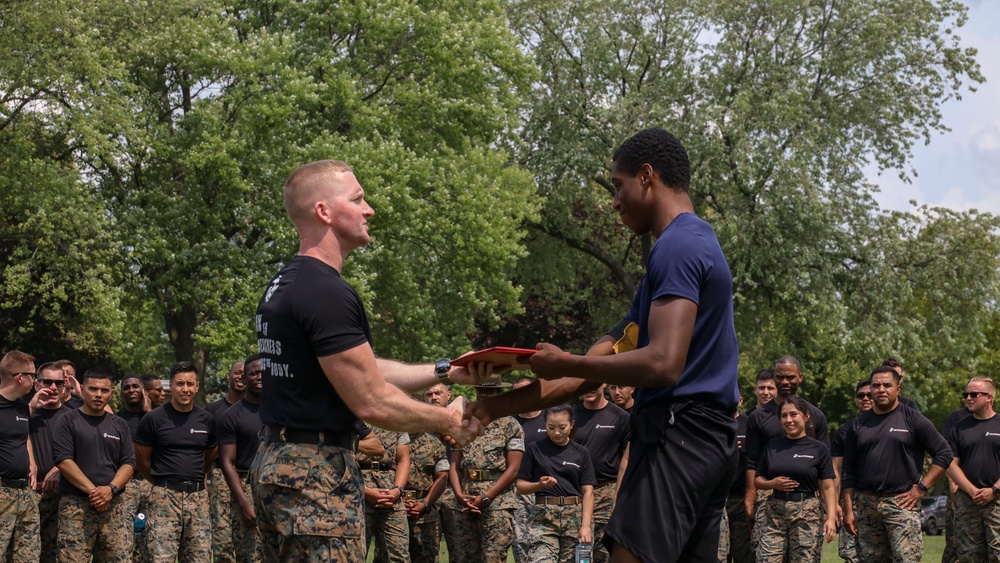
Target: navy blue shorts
682 461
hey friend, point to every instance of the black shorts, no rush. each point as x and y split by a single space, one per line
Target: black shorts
680 467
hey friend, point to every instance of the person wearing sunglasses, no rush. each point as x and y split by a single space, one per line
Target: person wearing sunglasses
47 407
883 481
976 471
847 546
19 536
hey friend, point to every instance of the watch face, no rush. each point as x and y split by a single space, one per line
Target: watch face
442 366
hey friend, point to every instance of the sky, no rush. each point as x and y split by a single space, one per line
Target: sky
959 169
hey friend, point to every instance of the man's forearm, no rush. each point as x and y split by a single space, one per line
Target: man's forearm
408 377
72 473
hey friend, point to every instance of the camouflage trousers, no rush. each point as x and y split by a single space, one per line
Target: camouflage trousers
554 531
483 537
220 513
449 525
977 530
391 532
604 502
19 534
48 524
887 532
723 553
759 517
425 537
136 497
178 526
522 535
950 533
308 501
847 547
740 548
246 538
792 530
84 532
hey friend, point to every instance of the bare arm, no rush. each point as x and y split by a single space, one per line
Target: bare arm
142 458
227 459
72 472
828 493
659 364
32 467
357 379
587 521
210 457
371 446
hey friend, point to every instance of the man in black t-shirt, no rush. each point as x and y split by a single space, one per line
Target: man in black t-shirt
621 396
976 471
898 368
321 375
239 437
953 418
46 408
605 430
93 450
154 389
882 484
218 492
847 546
19 533
174 448
763 424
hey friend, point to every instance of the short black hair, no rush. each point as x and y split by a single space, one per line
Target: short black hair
558 409
183 367
251 358
765 374
885 369
131 376
148 378
862 383
892 362
788 361
97 373
662 151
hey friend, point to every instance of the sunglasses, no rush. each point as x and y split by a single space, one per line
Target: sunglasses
973 394
48 382
30 374
864 396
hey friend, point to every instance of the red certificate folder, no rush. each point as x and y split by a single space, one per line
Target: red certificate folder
497 355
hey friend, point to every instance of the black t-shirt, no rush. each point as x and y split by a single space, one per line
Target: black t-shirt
764 423
217 409
805 460
241 425
605 433
837 443
908 402
569 464
132 419
534 428
307 312
953 418
179 441
73 403
40 428
14 439
976 444
879 450
99 445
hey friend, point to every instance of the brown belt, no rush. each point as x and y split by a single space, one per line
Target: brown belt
483 474
418 494
558 501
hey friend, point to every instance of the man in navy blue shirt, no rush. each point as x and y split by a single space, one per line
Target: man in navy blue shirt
683 452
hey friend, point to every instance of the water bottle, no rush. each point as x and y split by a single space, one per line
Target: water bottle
139 524
583 551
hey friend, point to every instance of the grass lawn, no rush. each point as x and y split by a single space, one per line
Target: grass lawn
933 548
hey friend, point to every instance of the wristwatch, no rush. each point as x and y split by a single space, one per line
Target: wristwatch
441 369
922 486
114 490
487 501
996 491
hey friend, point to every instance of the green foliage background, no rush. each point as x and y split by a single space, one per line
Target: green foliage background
143 146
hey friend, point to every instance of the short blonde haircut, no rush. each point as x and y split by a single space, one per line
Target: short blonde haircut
15 361
304 187
989 382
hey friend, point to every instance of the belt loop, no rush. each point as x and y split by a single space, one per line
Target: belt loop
322 438
281 434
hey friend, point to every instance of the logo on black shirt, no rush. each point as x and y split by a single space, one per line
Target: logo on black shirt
272 289
19 419
106 435
193 431
891 429
802 455
612 426
571 463
993 433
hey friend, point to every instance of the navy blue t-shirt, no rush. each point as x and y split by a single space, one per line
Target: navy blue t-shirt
687 262
307 312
